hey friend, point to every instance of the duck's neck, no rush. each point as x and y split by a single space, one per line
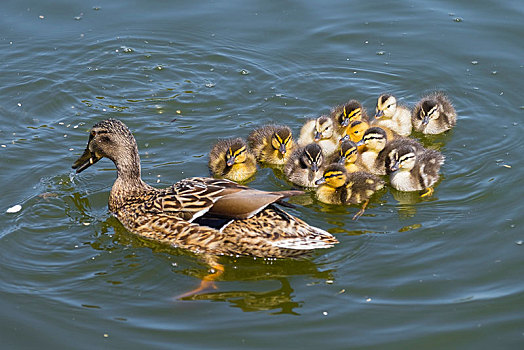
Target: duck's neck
128 183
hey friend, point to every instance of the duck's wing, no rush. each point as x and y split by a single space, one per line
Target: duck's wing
194 197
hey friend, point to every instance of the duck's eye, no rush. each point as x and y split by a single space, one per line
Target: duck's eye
388 106
356 131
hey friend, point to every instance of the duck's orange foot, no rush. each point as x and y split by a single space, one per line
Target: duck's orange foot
428 192
208 282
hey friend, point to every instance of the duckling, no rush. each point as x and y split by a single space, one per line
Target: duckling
272 144
410 170
375 140
231 159
348 156
356 131
337 186
434 114
305 165
321 131
392 116
344 114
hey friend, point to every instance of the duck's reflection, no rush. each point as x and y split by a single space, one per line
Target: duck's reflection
280 300
243 269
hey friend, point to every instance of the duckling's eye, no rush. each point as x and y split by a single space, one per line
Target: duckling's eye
388 106
356 132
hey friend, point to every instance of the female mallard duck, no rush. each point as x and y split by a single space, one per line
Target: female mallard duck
206 215
231 159
337 186
272 144
344 114
321 131
434 114
375 140
305 165
348 156
410 170
392 116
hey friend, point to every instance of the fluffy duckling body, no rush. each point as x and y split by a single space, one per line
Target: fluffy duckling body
375 141
410 170
337 186
206 215
321 131
272 144
231 159
305 166
345 114
390 115
434 114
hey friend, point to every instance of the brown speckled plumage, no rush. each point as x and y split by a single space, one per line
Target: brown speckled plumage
214 216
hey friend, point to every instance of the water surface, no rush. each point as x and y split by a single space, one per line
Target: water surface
443 272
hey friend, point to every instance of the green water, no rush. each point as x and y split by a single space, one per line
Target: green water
443 272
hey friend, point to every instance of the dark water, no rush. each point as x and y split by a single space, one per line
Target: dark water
443 272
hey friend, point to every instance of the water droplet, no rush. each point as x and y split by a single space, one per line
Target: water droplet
380 53
519 242
458 19
244 72
325 313
210 85
474 62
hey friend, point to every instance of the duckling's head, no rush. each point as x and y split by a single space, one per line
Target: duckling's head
323 128
357 129
386 106
374 138
429 111
348 112
334 176
401 158
236 152
312 157
282 139
348 152
112 139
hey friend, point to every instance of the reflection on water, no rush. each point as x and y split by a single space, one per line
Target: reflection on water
280 299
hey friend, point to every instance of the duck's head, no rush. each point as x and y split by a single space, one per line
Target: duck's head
312 157
334 176
323 128
374 138
109 138
236 152
386 106
402 158
282 139
428 111
348 112
348 152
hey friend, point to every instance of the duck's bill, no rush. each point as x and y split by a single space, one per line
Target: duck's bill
345 122
282 149
318 136
343 139
425 121
394 167
379 114
320 181
87 159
